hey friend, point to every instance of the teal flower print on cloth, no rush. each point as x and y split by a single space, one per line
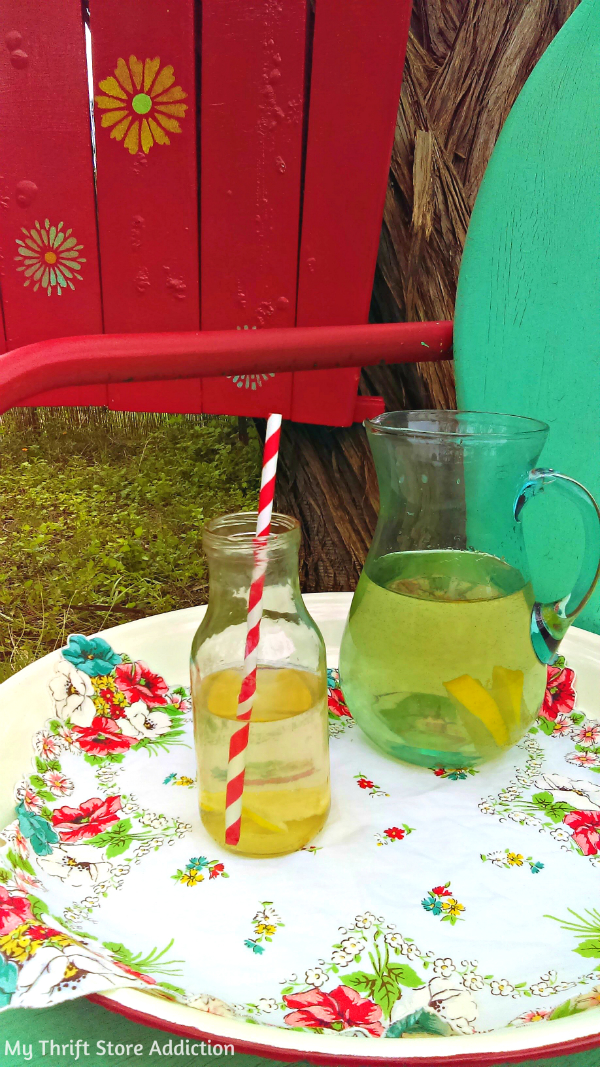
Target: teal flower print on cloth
36 830
91 655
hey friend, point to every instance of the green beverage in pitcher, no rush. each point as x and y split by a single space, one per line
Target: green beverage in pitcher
437 664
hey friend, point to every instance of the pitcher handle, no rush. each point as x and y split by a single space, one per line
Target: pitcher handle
550 622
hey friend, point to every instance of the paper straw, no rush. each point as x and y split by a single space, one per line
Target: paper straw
238 743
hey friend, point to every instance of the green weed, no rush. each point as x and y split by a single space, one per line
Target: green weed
101 518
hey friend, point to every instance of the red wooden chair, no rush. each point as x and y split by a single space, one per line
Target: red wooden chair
101 241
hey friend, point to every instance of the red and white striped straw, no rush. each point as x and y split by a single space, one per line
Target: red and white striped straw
238 744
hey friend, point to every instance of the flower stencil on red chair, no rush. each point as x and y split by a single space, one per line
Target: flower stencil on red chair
50 257
141 103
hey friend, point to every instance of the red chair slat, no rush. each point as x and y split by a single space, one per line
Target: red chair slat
357 64
146 187
145 121
2 333
253 61
50 283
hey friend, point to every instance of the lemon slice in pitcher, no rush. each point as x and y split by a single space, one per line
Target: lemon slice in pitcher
473 696
507 687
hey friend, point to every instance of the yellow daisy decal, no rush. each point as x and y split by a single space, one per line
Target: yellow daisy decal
141 103
49 257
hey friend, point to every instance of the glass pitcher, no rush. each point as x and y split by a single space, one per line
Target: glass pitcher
286 792
443 659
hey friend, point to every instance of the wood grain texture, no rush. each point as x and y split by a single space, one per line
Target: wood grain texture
146 187
355 85
46 174
253 72
527 334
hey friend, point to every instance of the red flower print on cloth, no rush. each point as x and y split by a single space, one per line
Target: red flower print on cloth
216 870
337 704
37 932
365 783
90 818
137 682
14 911
115 711
102 737
560 694
586 825
315 1008
441 891
395 833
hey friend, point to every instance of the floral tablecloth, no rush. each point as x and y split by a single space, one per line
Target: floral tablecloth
433 902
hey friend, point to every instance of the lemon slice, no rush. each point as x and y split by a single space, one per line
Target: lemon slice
259 820
508 691
216 802
223 692
280 693
475 698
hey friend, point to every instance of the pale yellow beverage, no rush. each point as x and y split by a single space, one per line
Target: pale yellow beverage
437 664
286 793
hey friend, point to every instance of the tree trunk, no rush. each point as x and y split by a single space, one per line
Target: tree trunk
466 63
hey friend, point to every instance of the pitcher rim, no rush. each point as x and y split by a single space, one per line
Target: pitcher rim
509 427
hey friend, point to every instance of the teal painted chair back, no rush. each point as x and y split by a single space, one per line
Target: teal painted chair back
527 327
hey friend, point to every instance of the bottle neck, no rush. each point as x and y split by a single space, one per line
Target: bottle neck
231 575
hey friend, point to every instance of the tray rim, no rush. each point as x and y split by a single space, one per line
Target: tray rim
561 1037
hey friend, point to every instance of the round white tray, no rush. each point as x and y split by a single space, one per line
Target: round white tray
165 641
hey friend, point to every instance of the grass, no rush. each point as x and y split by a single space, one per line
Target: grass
102 518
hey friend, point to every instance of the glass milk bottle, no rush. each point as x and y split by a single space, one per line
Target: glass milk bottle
286 792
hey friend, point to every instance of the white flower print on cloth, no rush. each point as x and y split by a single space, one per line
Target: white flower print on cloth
386 997
139 721
57 783
72 691
511 859
79 865
97 816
